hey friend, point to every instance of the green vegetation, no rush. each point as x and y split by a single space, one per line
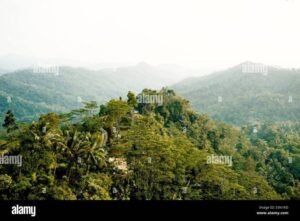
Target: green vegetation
29 94
245 97
10 122
133 151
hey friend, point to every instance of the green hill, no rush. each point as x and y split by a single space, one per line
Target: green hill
239 98
148 151
33 93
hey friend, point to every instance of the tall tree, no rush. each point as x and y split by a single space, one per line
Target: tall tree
131 99
10 122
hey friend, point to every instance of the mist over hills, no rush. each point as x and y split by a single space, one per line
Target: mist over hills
261 164
230 95
240 97
32 91
16 62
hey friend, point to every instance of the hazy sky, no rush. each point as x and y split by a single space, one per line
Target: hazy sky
187 32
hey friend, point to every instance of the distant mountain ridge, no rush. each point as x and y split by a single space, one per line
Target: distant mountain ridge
239 97
231 95
29 93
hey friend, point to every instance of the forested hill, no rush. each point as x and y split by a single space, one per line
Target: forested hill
150 147
239 97
31 92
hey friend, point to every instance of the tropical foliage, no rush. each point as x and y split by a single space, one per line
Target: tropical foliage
126 150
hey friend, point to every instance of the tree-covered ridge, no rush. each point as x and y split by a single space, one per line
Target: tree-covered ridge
239 98
30 94
39 90
130 150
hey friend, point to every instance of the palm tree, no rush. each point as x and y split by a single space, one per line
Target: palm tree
95 154
85 146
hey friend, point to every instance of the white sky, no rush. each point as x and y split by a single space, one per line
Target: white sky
192 33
